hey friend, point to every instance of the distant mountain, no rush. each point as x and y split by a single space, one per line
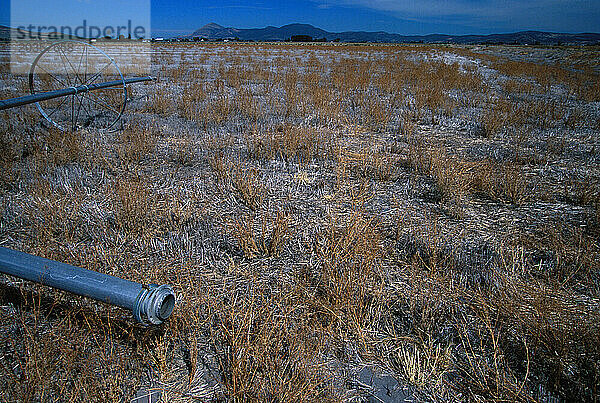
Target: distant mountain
215 32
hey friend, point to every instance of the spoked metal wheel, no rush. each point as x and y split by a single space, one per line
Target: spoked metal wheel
69 64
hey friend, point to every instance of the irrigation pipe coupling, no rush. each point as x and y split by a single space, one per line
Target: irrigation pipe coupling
150 304
154 304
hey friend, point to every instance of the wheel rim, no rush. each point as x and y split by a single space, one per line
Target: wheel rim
72 63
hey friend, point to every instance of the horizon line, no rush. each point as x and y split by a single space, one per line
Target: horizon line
387 32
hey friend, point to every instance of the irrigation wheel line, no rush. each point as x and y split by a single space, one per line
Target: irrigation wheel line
72 64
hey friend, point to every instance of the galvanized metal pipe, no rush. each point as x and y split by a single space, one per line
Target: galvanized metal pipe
151 304
44 96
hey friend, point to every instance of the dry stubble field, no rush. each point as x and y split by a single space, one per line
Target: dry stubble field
336 220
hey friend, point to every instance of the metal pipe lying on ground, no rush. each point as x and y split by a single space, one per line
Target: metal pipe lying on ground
45 96
150 304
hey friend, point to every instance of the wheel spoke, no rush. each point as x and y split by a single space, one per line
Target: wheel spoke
89 96
53 76
68 77
98 74
70 64
86 107
78 108
80 60
86 65
72 113
58 107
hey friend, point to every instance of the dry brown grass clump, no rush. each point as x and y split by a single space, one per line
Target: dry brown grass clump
583 84
267 349
290 143
245 181
526 323
344 292
249 188
135 206
456 177
365 164
190 104
7 158
184 150
69 359
161 102
549 328
138 211
54 214
63 147
138 141
265 241
505 182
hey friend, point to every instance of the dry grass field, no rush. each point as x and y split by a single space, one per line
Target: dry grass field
341 223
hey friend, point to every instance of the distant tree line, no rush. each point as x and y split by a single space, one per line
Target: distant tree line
308 38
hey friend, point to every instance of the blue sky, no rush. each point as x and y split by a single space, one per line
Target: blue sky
398 16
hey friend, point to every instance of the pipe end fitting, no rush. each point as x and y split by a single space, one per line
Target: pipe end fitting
154 304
